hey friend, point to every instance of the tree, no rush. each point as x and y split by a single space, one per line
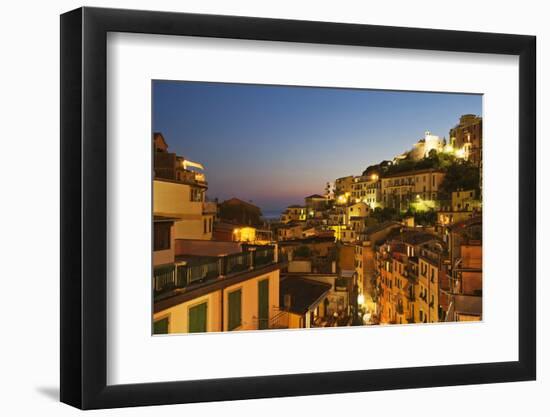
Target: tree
460 176
425 218
385 214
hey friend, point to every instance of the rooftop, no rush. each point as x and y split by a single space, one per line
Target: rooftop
236 200
416 238
165 218
381 226
305 294
473 221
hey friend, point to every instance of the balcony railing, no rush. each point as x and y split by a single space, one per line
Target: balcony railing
237 262
198 271
279 321
167 278
263 255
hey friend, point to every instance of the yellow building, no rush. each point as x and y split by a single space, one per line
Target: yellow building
417 188
217 292
366 189
343 188
202 285
315 205
186 202
409 272
465 200
241 233
291 231
356 210
180 192
364 268
343 233
294 213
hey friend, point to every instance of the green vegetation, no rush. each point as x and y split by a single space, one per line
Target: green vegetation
423 218
434 160
381 215
460 176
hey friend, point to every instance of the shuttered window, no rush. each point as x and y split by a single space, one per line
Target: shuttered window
197 318
160 326
162 235
235 314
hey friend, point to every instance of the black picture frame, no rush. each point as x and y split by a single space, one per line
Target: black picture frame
84 207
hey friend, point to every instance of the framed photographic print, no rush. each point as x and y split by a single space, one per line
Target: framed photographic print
257 208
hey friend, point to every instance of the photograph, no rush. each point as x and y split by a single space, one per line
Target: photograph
299 207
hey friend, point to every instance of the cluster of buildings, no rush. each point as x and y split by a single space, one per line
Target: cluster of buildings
404 272
423 277
329 262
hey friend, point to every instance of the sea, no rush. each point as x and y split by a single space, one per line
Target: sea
271 215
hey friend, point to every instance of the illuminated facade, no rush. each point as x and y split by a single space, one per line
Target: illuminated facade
294 213
467 135
215 286
409 271
366 189
464 279
180 193
343 188
200 284
418 188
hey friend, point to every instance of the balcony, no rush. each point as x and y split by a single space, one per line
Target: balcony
205 269
411 273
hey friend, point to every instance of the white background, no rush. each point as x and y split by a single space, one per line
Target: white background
29 167
134 60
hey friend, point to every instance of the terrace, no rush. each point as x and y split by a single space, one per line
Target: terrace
193 271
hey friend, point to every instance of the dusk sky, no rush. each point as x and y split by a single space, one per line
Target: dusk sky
274 145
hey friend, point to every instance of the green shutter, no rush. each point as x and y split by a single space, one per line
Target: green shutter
263 304
235 317
160 326
197 318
